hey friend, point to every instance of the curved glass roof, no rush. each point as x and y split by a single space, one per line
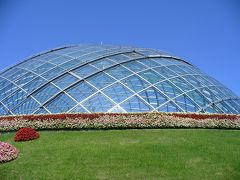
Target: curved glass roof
104 78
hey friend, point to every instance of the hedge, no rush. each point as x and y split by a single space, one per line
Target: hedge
119 121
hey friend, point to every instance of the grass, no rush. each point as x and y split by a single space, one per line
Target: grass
127 154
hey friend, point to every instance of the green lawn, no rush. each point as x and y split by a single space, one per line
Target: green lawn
127 154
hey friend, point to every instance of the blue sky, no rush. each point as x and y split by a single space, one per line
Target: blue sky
206 32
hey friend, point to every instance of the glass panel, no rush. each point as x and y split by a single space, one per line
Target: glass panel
91 48
198 98
232 106
150 63
217 109
3 110
169 107
53 73
177 70
85 71
3 83
151 76
10 73
208 94
61 103
196 70
48 56
149 52
119 58
117 109
210 110
9 89
110 51
134 66
224 107
179 62
118 72
28 107
98 103
133 55
18 73
25 79
168 89
135 83
193 81
237 101
42 111
213 81
135 104
65 81
226 92
186 104
105 52
71 64
182 84
103 63
60 60
222 93
14 99
217 93
45 67
165 61
36 83
45 93
165 72
190 70
78 53
31 64
203 81
78 108
2 79
89 57
153 97
81 91
235 105
117 92
100 80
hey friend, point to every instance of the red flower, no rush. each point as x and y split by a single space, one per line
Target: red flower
26 134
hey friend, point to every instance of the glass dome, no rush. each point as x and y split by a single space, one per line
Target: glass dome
102 78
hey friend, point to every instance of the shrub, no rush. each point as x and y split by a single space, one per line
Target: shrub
7 152
26 134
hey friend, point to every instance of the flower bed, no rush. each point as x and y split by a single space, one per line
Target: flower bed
7 152
196 116
120 121
206 116
26 134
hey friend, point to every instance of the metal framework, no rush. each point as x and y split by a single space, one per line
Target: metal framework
104 78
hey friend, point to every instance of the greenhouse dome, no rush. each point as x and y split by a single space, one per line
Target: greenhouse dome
106 78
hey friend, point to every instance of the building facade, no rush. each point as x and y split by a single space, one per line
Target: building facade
104 78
